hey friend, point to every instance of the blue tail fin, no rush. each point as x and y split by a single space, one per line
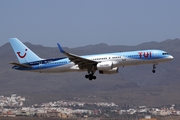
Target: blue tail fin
23 53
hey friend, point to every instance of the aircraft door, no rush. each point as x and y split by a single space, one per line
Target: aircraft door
155 55
40 64
123 58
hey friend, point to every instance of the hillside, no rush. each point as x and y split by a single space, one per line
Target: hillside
132 85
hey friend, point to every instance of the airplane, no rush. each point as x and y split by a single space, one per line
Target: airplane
107 63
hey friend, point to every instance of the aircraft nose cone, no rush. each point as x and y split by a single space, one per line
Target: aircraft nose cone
171 57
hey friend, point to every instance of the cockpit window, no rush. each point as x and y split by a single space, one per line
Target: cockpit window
165 54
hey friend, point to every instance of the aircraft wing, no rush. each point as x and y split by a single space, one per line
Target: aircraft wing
21 65
80 61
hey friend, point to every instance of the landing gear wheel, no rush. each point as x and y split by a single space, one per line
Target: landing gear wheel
94 77
86 76
153 71
90 78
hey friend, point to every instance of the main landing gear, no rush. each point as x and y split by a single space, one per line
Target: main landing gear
90 76
154 67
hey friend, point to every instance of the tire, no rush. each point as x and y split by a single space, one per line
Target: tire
86 76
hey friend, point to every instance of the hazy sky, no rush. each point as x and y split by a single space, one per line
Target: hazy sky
75 23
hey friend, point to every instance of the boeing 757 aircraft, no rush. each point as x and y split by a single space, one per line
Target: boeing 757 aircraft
107 63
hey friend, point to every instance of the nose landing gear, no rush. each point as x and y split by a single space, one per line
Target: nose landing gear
154 67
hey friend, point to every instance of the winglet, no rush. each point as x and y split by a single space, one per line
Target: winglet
60 48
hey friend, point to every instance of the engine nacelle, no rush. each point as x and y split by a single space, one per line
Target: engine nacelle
105 65
112 71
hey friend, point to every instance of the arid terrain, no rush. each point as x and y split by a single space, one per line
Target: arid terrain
133 85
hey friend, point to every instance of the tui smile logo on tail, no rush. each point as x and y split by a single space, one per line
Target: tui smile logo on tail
21 56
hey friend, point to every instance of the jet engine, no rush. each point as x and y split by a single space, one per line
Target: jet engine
105 65
112 71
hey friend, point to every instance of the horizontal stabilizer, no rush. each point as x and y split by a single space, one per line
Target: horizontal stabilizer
21 65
